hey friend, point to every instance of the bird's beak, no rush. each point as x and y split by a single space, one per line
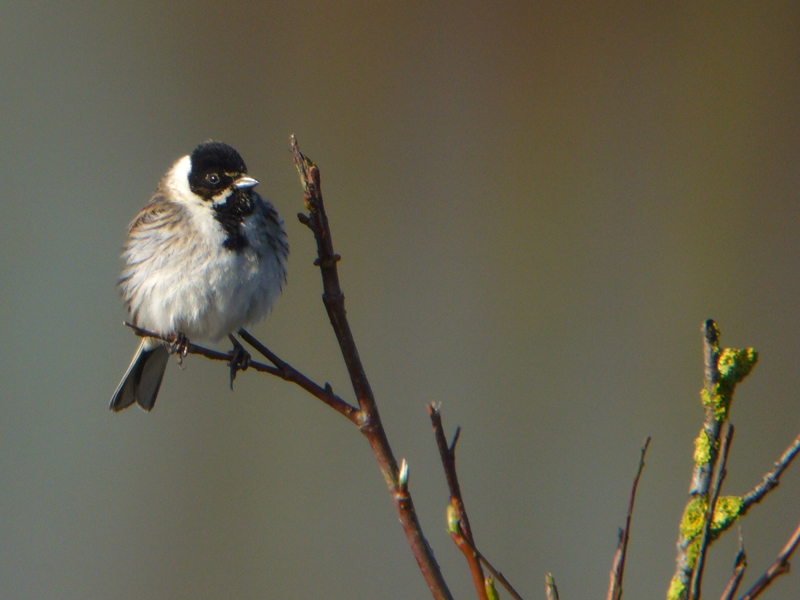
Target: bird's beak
245 183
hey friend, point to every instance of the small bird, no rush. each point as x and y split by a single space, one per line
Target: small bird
206 256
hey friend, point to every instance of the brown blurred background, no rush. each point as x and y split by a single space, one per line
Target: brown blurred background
537 204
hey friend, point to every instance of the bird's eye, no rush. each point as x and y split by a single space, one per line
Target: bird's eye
212 178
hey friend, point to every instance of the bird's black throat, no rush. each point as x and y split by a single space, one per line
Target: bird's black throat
231 215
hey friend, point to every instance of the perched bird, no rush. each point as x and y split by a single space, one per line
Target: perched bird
206 256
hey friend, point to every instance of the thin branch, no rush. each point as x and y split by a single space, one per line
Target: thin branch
777 568
282 369
462 536
203 351
495 573
771 479
739 567
701 476
289 373
708 520
370 422
618 566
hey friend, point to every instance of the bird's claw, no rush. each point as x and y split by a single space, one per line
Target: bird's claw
180 346
240 358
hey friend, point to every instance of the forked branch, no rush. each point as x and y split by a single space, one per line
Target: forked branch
365 416
370 422
457 519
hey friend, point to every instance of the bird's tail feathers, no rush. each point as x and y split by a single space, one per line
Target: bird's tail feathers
142 380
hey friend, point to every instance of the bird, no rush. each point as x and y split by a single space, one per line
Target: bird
206 256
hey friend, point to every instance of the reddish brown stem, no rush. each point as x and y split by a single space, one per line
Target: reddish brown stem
370 421
281 369
289 373
463 536
462 533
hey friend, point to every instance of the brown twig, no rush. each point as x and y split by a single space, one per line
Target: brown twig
289 373
777 568
739 567
458 521
771 479
462 536
201 350
708 520
495 573
369 418
618 566
281 369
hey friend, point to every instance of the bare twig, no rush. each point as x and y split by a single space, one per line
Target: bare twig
462 535
281 369
739 567
495 573
370 422
777 568
289 373
771 479
458 521
716 486
201 350
618 566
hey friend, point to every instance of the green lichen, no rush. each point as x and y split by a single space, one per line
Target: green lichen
705 397
676 589
693 515
702 449
733 366
726 513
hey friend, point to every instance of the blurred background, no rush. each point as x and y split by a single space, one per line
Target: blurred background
537 205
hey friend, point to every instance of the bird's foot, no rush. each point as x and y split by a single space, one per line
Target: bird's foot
180 346
240 358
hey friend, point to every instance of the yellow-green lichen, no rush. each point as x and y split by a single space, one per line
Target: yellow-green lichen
676 589
733 366
702 449
693 515
726 512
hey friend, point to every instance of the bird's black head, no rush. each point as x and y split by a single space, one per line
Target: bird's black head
215 168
